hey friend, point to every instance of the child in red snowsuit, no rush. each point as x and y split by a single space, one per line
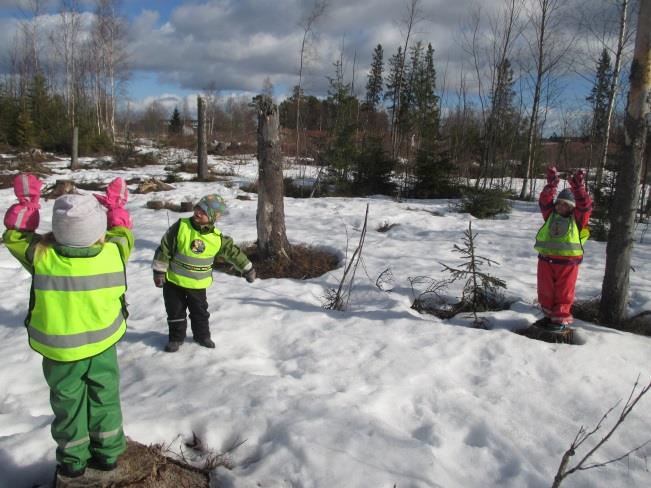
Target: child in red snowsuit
559 243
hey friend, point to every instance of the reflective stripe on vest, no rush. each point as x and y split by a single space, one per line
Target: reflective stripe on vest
191 265
77 311
559 236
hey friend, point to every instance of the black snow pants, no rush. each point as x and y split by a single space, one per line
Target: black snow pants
177 300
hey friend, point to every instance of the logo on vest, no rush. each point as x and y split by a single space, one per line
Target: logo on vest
559 227
198 246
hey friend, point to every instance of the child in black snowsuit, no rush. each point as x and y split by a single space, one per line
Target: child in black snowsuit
183 265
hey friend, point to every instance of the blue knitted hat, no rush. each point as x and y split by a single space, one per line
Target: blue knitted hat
566 196
213 205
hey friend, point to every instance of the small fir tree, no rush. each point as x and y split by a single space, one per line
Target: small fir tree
481 291
176 124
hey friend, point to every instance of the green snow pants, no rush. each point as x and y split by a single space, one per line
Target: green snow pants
85 398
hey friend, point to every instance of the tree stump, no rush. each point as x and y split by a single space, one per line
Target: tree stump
565 336
155 204
61 187
270 217
151 185
202 151
142 466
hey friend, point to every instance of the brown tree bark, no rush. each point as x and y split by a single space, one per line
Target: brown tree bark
614 291
74 160
202 150
270 219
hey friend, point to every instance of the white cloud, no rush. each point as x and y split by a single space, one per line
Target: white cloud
236 44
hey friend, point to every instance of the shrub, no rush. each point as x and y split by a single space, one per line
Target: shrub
484 204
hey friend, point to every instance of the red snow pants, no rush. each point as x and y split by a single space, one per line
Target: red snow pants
556 283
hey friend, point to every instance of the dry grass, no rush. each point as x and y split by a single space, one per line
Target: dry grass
304 262
145 467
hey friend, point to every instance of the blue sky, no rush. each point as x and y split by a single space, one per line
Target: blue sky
179 48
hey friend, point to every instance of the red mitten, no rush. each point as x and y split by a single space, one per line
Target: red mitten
552 176
24 216
577 181
116 197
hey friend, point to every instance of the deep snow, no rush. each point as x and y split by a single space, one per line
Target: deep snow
377 396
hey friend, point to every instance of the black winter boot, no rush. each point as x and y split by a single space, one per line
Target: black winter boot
102 465
172 346
207 342
69 472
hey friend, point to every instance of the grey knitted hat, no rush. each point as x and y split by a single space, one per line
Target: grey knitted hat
78 220
566 196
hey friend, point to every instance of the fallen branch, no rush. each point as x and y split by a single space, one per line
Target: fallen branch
583 435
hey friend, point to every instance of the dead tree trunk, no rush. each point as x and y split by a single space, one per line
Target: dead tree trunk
74 160
202 154
270 219
614 291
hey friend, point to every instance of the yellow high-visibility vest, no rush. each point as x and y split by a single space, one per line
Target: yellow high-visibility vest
191 265
560 236
78 308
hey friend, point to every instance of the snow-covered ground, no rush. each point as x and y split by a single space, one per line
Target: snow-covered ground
377 396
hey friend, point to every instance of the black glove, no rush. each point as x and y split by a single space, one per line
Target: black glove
159 279
250 275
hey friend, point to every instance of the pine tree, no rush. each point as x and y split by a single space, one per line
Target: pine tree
175 124
374 83
23 136
341 150
599 97
394 82
502 123
432 167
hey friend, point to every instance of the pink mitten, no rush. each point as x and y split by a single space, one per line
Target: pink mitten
24 216
119 217
116 197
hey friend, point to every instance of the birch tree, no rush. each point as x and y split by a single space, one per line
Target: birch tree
547 47
307 24
614 291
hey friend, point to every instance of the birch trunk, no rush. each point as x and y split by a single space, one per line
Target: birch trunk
614 291
612 94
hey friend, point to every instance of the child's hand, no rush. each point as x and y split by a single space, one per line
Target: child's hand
552 176
116 197
250 275
24 215
159 279
577 181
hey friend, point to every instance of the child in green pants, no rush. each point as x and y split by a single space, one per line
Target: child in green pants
77 313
